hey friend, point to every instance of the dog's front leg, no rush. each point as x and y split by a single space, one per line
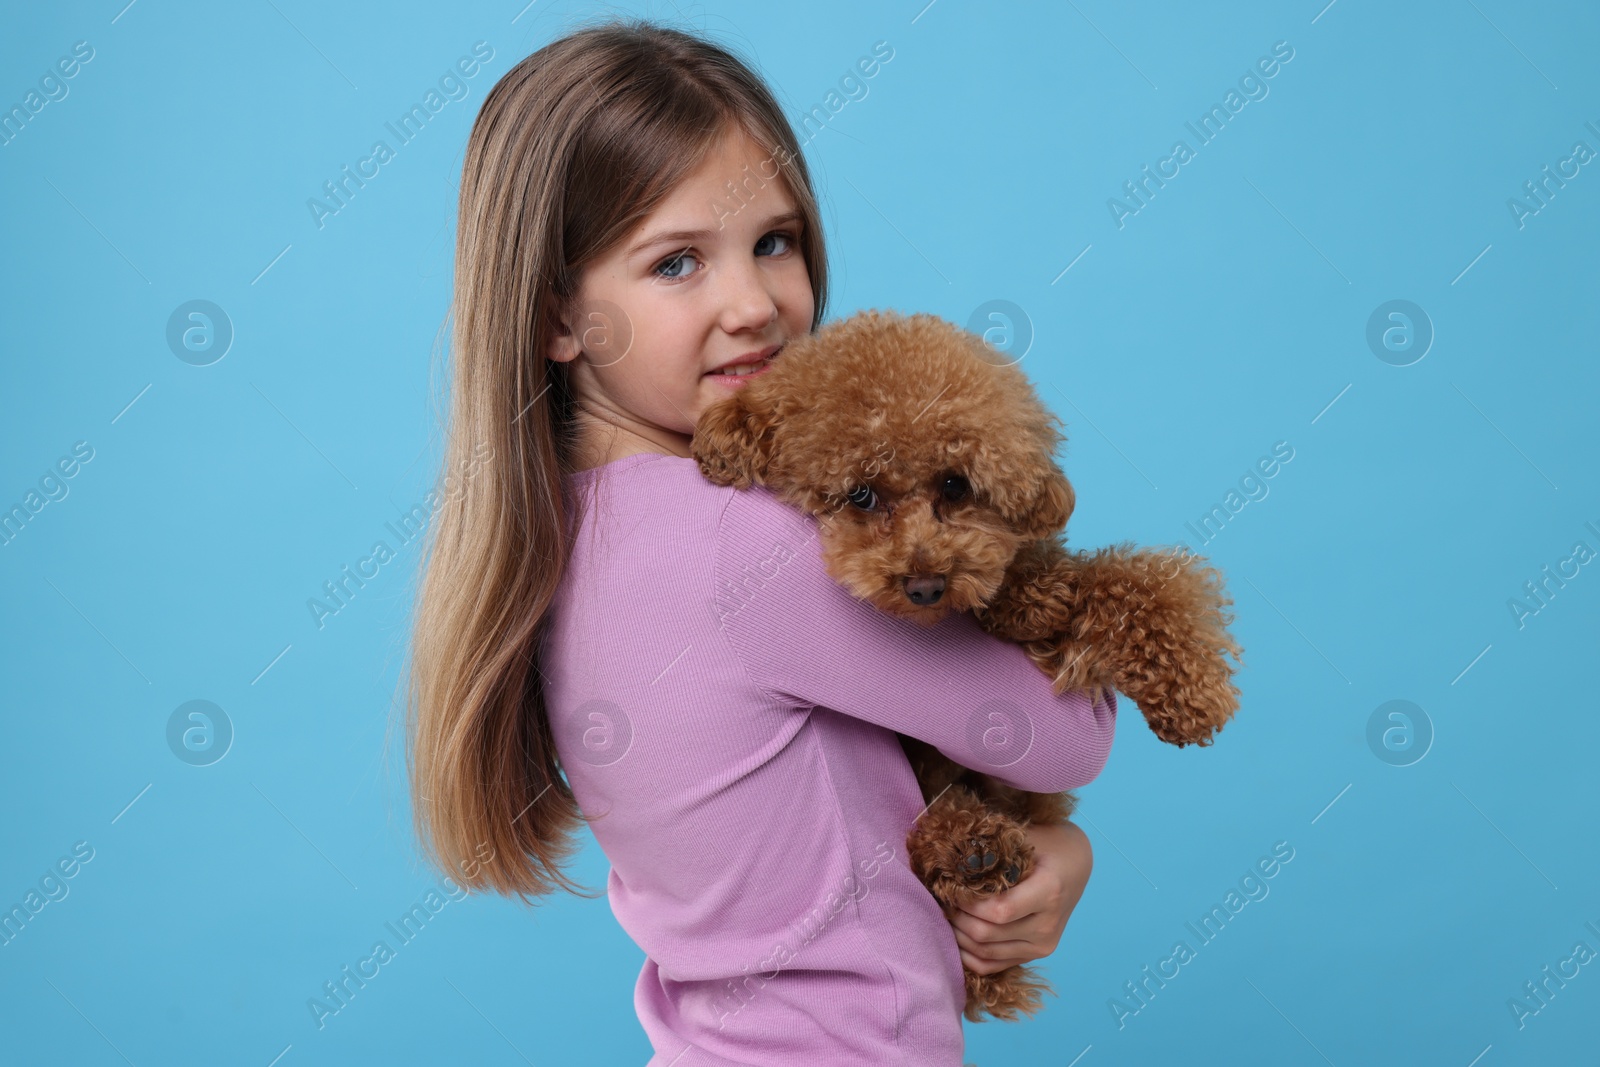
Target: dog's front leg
1160 621
1048 603
1150 624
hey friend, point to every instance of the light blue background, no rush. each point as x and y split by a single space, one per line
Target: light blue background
1227 315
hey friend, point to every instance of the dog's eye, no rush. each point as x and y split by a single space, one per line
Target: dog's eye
863 497
954 488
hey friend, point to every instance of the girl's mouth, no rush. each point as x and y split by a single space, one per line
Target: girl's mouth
737 373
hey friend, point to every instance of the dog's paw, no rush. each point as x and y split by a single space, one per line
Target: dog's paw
982 864
1172 649
964 852
1183 716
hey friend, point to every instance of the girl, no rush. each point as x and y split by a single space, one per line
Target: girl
604 637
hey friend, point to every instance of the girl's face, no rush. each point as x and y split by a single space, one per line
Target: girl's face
713 277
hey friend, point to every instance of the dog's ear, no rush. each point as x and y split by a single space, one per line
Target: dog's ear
733 440
1047 514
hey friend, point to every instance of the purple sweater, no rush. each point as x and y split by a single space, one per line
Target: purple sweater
729 713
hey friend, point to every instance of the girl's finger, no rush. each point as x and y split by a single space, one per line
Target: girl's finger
1028 897
1027 928
1004 952
982 966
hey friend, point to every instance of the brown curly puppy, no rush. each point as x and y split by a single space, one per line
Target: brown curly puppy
929 462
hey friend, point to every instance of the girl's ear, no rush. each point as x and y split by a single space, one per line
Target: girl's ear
733 441
1051 507
563 343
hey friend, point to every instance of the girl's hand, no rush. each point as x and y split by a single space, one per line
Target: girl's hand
1025 922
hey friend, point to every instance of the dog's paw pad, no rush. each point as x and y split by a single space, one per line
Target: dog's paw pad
979 860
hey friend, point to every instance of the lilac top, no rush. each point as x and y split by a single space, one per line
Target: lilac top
729 712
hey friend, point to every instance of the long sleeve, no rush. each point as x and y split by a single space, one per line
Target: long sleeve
806 641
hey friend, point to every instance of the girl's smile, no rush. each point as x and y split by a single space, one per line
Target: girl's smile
734 373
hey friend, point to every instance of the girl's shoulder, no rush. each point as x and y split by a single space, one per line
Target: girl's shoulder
629 463
664 504
653 483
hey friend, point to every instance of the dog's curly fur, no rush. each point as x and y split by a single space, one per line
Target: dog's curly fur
928 460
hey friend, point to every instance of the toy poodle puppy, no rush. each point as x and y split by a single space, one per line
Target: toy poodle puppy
928 460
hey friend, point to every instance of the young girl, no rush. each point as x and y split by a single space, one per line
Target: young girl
604 637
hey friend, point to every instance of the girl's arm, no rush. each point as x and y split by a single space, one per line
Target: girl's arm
806 641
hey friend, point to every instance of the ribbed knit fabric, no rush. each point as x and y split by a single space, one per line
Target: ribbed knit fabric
729 712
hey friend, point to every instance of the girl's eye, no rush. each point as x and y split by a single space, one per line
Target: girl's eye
668 268
780 235
863 497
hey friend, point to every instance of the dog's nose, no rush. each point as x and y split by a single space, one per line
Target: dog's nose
925 588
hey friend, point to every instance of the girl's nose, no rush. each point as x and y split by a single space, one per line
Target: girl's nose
748 303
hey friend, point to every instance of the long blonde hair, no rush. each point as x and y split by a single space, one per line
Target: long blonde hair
571 150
